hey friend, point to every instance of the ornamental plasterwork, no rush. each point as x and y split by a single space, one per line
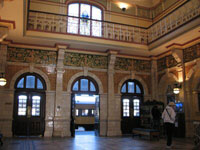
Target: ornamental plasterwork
24 55
161 64
85 60
170 61
166 62
123 64
141 65
191 53
132 65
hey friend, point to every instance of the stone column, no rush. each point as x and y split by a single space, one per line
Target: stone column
103 114
154 80
113 126
6 98
49 115
178 55
3 58
6 111
60 117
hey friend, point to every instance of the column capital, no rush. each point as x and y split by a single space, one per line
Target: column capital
61 46
111 61
112 52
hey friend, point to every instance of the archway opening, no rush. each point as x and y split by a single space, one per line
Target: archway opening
29 105
84 107
132 97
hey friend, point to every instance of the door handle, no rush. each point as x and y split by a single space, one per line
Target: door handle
29 112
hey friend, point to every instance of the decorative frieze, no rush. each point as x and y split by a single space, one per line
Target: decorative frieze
166 62
191 53
127 64
85 60
170 61
25 55
141 65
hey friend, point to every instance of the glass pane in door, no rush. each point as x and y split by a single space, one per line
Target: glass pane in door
136 107
22 105
36 105
126 109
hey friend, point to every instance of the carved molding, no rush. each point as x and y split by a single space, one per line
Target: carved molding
178 55
3 33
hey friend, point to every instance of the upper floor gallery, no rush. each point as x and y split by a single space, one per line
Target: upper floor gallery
145 28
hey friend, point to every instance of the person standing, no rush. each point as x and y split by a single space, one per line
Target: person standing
168 117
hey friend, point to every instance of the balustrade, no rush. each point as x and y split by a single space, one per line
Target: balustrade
49 22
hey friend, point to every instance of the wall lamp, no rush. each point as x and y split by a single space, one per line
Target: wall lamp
2 80
123 9
123 6
177 88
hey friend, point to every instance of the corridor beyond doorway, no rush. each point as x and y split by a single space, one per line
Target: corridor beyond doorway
81 131
86 110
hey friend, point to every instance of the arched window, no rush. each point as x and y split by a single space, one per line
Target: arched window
85 85
30 81
29 105
79 19
132 87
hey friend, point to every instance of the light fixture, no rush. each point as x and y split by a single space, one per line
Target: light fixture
123 6
176 89
2 80
123 9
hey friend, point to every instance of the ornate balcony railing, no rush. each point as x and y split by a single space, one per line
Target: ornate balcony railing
63 24
174 20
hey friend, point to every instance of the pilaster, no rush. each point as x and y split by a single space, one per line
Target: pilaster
154 79
103 114
177 53
113 126
3 57
60 117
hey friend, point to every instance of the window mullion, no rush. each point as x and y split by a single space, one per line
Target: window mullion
25 82
79 85
79 20
36 82
90 20
89 85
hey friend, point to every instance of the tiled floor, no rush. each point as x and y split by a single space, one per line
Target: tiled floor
85 141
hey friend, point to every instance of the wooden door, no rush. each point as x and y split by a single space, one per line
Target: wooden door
29 114
130 113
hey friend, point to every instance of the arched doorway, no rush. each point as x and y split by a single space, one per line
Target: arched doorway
29 105
132 97
84 105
